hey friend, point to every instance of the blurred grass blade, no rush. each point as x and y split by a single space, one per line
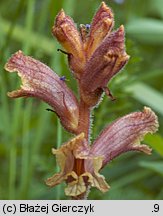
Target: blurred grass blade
24 180
157 7
147 96
24 177
69 7
56 63
146 30
35 40
15 131
153 74
155 166
130 178
156 142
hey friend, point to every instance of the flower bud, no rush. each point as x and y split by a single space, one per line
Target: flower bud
101 25
67 34
108 59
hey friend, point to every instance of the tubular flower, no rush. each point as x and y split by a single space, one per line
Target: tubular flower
80 163
39 81
95 54
73 159
106 61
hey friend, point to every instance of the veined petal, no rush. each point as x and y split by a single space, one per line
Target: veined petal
78 168
76 187
108 59
102 24
125 134
78 184
39 81
65 159
92 166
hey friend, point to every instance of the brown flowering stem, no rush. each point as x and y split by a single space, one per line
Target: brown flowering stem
95 55
84 126
84 119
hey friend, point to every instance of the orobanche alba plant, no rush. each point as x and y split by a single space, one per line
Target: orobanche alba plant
95 54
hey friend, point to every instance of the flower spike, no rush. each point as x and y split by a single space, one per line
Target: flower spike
95 55
39 81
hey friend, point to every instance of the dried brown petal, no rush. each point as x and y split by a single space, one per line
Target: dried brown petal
76 187
39 81
108 59
95 179
65 160
67 34
125 135
101 25
78 178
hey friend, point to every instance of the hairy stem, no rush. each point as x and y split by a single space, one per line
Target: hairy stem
84 126
84 119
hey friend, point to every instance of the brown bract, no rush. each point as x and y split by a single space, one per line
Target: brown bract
39 81
95 55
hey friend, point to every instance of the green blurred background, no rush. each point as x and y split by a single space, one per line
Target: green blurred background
28 131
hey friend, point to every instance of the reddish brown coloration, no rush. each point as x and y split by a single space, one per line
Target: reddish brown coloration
79 166
67 34
125 135
95 55
101 25
84 119
41 82
107 60
85 162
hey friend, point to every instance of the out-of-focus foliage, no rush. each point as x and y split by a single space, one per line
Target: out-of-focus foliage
28 131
